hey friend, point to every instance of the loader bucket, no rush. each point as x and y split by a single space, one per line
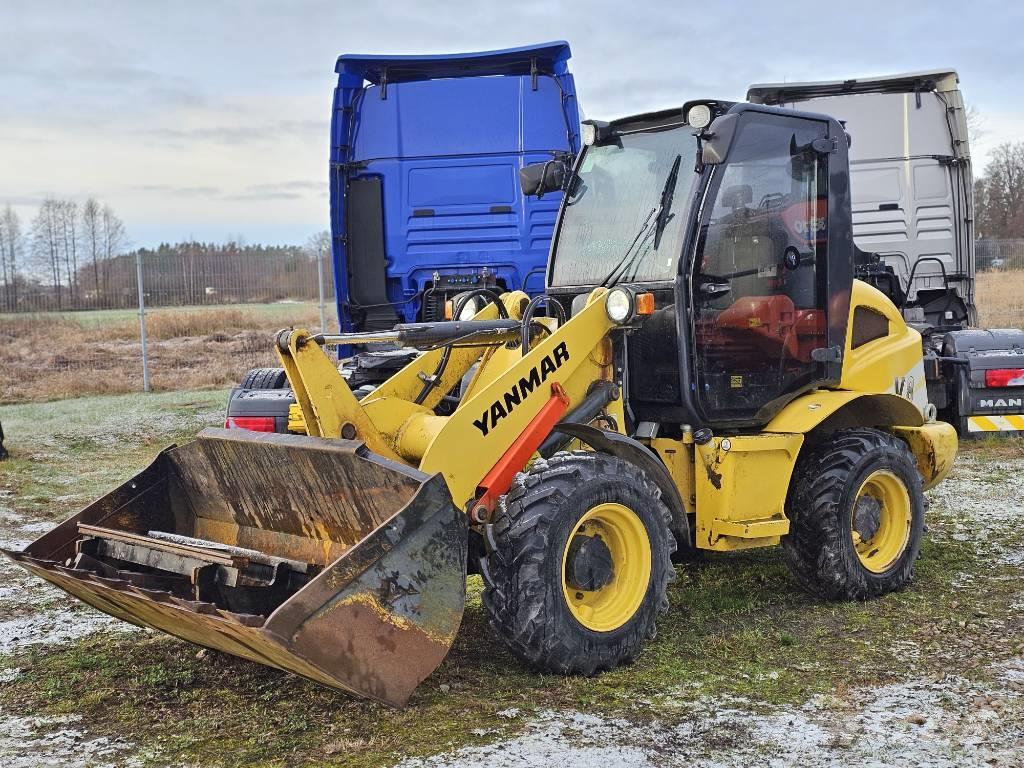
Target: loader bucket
309 555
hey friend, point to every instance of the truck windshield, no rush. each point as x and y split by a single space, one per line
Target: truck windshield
625 214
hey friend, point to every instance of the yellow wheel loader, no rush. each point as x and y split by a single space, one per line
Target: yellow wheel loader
705 374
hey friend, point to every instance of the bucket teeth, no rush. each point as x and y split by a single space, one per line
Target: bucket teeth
310 555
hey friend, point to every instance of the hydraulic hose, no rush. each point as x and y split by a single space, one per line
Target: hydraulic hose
527 320
435 377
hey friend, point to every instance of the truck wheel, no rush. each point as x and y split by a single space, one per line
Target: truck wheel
265 378
578 563
856 508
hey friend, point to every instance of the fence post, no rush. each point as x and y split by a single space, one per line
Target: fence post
142 321
320 284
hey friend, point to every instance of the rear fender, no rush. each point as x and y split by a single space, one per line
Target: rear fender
934 446
843 410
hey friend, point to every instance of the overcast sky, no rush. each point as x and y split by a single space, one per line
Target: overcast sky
210 119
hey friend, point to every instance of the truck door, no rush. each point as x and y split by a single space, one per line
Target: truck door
759 279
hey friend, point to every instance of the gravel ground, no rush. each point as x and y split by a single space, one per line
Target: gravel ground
947 718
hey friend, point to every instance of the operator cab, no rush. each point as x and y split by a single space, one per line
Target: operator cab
736 217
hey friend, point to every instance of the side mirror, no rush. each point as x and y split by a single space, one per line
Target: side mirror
538 178
715 147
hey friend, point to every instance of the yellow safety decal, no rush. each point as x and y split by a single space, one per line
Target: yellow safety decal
1008 423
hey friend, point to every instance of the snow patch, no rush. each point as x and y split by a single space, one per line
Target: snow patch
31 742
54 627
932 724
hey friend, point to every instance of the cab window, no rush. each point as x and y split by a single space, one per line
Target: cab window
758 282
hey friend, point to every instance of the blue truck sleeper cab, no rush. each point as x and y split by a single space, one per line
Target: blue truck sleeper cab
425 154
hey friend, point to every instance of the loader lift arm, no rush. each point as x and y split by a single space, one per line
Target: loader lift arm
514 402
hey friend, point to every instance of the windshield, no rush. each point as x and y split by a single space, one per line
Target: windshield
608 228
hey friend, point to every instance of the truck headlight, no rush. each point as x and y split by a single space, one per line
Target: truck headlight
619 305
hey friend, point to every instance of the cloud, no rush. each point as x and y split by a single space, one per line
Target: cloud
233 135
314 186
282 190
178 191
209 103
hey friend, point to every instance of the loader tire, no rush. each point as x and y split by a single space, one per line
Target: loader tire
578 563
265 378
856 509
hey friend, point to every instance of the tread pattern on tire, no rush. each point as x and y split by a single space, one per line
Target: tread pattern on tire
524 609
818 549
265 378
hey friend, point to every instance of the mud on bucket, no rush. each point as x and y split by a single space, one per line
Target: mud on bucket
310 555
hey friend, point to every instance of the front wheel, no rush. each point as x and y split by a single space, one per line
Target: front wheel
578 563
856 508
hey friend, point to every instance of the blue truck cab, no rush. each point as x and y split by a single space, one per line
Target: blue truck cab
425 154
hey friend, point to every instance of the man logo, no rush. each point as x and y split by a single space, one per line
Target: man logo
999 402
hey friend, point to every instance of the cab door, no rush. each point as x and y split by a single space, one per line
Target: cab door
759 282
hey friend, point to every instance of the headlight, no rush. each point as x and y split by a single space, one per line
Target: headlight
470 308
619 305
699 116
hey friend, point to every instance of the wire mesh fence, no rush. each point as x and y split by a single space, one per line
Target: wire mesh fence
995 255
210 316
186 274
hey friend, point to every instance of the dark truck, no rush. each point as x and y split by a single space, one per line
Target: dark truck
913 217
425 198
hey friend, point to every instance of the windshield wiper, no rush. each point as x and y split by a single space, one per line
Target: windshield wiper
660 216
622 263
665 205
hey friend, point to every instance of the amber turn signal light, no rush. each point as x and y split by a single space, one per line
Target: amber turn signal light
644 303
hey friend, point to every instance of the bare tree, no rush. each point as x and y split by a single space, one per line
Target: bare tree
999 194
975 123
115 238
10 249
46 241
3 264
92 236
319 244
67 212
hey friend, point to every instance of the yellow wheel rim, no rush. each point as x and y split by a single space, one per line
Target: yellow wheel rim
881 521
613 604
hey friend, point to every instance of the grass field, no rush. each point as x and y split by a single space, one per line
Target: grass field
1000 298
69 354
283 311
741 642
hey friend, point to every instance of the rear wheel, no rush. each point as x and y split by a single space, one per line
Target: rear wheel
578 563
265 378
857 516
